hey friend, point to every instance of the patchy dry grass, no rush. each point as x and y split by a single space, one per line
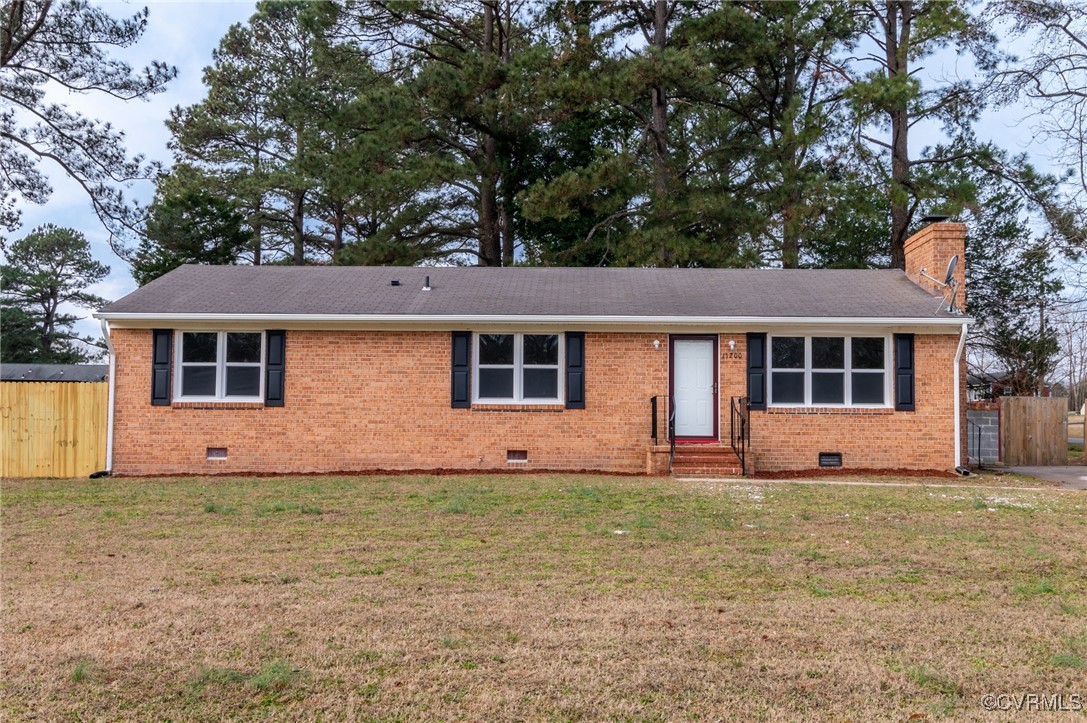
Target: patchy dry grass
538 597
989 477
1001 478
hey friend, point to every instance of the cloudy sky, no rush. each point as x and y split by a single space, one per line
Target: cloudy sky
184 33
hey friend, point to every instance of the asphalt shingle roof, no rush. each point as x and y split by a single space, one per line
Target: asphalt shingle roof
472 291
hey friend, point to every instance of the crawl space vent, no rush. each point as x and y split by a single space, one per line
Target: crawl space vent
216 452
830 459
516 455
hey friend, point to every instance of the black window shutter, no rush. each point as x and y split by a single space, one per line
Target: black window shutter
904 373
275 369
462 370
161 354
756 370
575 370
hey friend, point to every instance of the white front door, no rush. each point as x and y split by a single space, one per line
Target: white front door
694 387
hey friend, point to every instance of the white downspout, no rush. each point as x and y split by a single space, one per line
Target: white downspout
112 393
958 401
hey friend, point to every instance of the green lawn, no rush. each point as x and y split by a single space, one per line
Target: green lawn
538 597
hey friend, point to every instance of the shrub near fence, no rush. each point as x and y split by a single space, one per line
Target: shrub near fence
53 429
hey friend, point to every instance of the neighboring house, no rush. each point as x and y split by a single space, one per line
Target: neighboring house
54 372
986 386
280 369
991 386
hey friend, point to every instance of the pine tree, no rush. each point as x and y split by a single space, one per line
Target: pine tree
49 267
66 45
571 181
634 65
1011 280
776 69
227 139
255 128
471 66
717 127
304 137
892 99
189 226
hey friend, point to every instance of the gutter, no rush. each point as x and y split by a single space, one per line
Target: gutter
958 402
112 396
513 319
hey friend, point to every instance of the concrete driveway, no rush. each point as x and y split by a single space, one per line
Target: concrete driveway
1072 477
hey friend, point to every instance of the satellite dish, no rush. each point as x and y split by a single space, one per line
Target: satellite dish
951 266
949 281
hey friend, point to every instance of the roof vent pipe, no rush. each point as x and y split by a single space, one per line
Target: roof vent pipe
394 282
426 284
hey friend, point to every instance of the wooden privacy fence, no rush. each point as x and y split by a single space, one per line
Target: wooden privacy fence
1077 429
53 429
1033 430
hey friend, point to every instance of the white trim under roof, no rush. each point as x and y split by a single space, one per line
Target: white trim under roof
950 324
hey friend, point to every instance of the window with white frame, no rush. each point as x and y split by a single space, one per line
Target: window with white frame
226 365
829 371
518 368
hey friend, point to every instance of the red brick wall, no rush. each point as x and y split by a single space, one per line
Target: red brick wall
380 400
792 438
931 249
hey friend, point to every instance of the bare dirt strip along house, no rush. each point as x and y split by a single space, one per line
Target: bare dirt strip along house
277 369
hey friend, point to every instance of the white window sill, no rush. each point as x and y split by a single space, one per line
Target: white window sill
830 406
520 402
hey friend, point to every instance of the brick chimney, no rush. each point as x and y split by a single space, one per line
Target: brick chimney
930 250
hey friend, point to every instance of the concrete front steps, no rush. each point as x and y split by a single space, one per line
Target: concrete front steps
706 460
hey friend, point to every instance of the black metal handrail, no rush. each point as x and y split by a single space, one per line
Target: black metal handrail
670 430
973 430
740 436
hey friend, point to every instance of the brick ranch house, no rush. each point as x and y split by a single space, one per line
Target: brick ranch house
276 369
